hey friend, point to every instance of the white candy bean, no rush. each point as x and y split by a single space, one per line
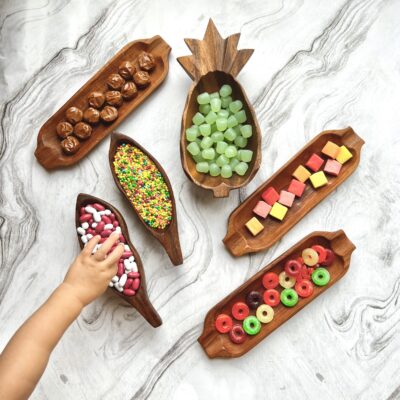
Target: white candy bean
110 284
108 226
123 280
131 259
119 288
134 267
126 263
89 236
118 229
115 279
85 225
102 212
107 212
81 231
94 225
84 239
126 247
90 210
97 217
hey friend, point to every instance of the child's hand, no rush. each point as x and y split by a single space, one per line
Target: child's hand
89 274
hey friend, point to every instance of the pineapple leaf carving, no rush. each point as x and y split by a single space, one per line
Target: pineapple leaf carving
214 53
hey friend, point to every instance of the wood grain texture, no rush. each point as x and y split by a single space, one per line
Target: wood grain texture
240 241
317 66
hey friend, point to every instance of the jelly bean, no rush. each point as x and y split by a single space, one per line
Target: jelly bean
100 227
85 217
223 323
237 334
321 253
84 239
271 297
81 231
91 232
102 240
112 217
129 292
126 254
85 225
108 226
106 233
240 311
82 210
270 280
107 212
106 220
98 207
115 279
330 257
118 287
97 217
122 239
90 209
123 280
128 283
110 284
133 275
120 271
136 284
115 224
304 288
90 222
292 267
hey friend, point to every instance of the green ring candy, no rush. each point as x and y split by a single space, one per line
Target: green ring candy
321 276
251 325
289 297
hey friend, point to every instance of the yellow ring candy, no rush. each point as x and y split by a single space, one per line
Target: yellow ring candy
265 313
310 257
286 281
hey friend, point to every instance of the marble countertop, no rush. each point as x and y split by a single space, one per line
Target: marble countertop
317 65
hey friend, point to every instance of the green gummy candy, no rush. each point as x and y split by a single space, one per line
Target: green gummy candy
231 151
217 137
206 142
198 118
214 95
246 131
230 134
226 171
221 147
208 154
222 160
232 121
203 98
215 104
241 142
226 90
214 128
223 113
214 169
241 168
205 129
222 124
193 148
205 109
198 158
234 161
235 106
241 116
202 167
245 155
191 133
225 101
211 117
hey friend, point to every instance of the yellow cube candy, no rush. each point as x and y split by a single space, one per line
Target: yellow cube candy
344 155
278 211
254 226
318 179
301 173
331 149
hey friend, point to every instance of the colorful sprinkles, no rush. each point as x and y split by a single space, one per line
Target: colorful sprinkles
144 185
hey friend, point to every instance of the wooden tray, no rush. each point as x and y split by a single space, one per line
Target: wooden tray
169 236
218 345
141 300
240 241
215 62
48 150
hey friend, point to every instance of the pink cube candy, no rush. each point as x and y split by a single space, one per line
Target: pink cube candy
262 209
332 167
286 198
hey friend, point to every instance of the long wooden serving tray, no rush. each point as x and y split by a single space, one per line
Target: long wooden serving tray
218 345
48 150
240 241
168 237
141 300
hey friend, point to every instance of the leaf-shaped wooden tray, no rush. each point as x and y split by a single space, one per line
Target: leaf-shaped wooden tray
169 236
49 152
215 62
240 241
218 345
140 300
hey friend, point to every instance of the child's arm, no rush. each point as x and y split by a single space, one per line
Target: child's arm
25 357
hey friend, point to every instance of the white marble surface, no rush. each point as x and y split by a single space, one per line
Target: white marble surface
317 65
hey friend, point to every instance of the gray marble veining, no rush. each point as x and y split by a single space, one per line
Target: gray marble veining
317 65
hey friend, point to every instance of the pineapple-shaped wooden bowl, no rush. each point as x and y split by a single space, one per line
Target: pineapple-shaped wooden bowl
216 62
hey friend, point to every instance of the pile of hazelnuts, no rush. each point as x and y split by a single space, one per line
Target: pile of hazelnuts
121 87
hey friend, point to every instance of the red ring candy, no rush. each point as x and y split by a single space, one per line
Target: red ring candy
330 257
240 311
272 297
223 323
321 253
304 288
292 267
237 334
270 280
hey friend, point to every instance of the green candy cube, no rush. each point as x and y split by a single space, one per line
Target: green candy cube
205 109
222 160
208 154
205 129
234 161
215 104
206 142
222 124
191 133
225 101
231 151
214 169
198 118
214 95
241 116
198 158
226 171
235 106
241 168
223 114
203 98
217 137
226 90
202 167
230 134
232 121
193 148
245 155
211 117
246 131
221 147
240 141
